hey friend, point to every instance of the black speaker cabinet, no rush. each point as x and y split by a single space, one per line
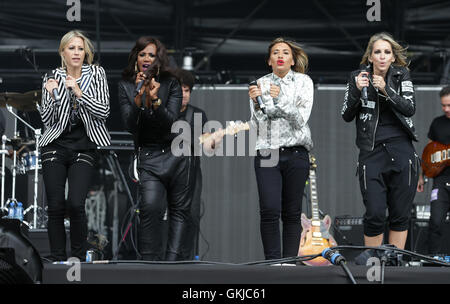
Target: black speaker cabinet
418 237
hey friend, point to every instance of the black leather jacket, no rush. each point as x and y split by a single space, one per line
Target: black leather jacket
156 124
400 96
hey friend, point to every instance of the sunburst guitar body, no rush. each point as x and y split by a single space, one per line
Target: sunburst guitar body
435 158
315 235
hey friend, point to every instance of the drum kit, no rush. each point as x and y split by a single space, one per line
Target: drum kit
24 158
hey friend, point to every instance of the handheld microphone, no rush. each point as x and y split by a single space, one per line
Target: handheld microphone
139 86
258 98
364 89
333 256
56 96
151 72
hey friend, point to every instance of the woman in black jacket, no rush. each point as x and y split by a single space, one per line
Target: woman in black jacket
388 163
163 177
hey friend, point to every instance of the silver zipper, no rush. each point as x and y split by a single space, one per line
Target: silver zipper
364 172
50 159
79 154
376 124
410 165
52 152
84 161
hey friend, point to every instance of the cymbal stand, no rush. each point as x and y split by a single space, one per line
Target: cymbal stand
37 135
14 166
3 151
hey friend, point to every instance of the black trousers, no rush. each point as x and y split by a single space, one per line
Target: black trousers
280 191
78 168
388 180
440 205
195 189
163 186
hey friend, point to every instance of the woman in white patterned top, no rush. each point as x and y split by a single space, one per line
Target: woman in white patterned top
283 131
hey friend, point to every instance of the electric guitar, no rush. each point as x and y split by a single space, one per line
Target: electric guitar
315 235
435 158
233 128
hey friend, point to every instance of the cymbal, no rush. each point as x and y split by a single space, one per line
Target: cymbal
21 101
19 142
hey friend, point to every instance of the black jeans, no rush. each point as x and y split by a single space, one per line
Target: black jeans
163 186
280 191
59 165
440 205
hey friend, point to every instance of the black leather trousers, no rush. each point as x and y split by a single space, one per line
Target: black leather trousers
163 186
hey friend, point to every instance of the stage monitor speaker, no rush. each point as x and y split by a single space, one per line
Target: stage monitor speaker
19 260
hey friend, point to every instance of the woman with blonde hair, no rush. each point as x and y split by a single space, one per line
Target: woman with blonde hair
282 121
74 109
380 97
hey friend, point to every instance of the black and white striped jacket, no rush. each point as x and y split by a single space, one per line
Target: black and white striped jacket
94 105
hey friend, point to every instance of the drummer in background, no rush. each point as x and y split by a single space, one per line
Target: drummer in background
74 127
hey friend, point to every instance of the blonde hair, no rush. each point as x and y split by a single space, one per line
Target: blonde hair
298 54
88 46
399 51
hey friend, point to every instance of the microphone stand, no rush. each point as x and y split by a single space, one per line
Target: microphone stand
113 162
3 152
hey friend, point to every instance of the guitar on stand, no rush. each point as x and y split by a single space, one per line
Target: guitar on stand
315 232
435 158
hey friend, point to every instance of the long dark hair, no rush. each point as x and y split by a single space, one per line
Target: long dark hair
161 62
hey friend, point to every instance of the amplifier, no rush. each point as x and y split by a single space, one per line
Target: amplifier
349 230
418 237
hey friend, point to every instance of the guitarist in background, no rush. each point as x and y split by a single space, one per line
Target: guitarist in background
187 113
287 94
440 195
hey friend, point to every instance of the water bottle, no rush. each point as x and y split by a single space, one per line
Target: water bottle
19 212
11 210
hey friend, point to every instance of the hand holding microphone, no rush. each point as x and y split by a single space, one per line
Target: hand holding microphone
52 87
255 94
362 82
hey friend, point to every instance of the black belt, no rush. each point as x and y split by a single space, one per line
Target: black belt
293 148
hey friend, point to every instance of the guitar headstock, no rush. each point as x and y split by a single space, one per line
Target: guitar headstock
312 161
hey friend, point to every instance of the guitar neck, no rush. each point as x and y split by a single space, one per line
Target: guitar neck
232 129
314 201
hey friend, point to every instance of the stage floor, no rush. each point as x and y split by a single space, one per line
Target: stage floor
133 272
